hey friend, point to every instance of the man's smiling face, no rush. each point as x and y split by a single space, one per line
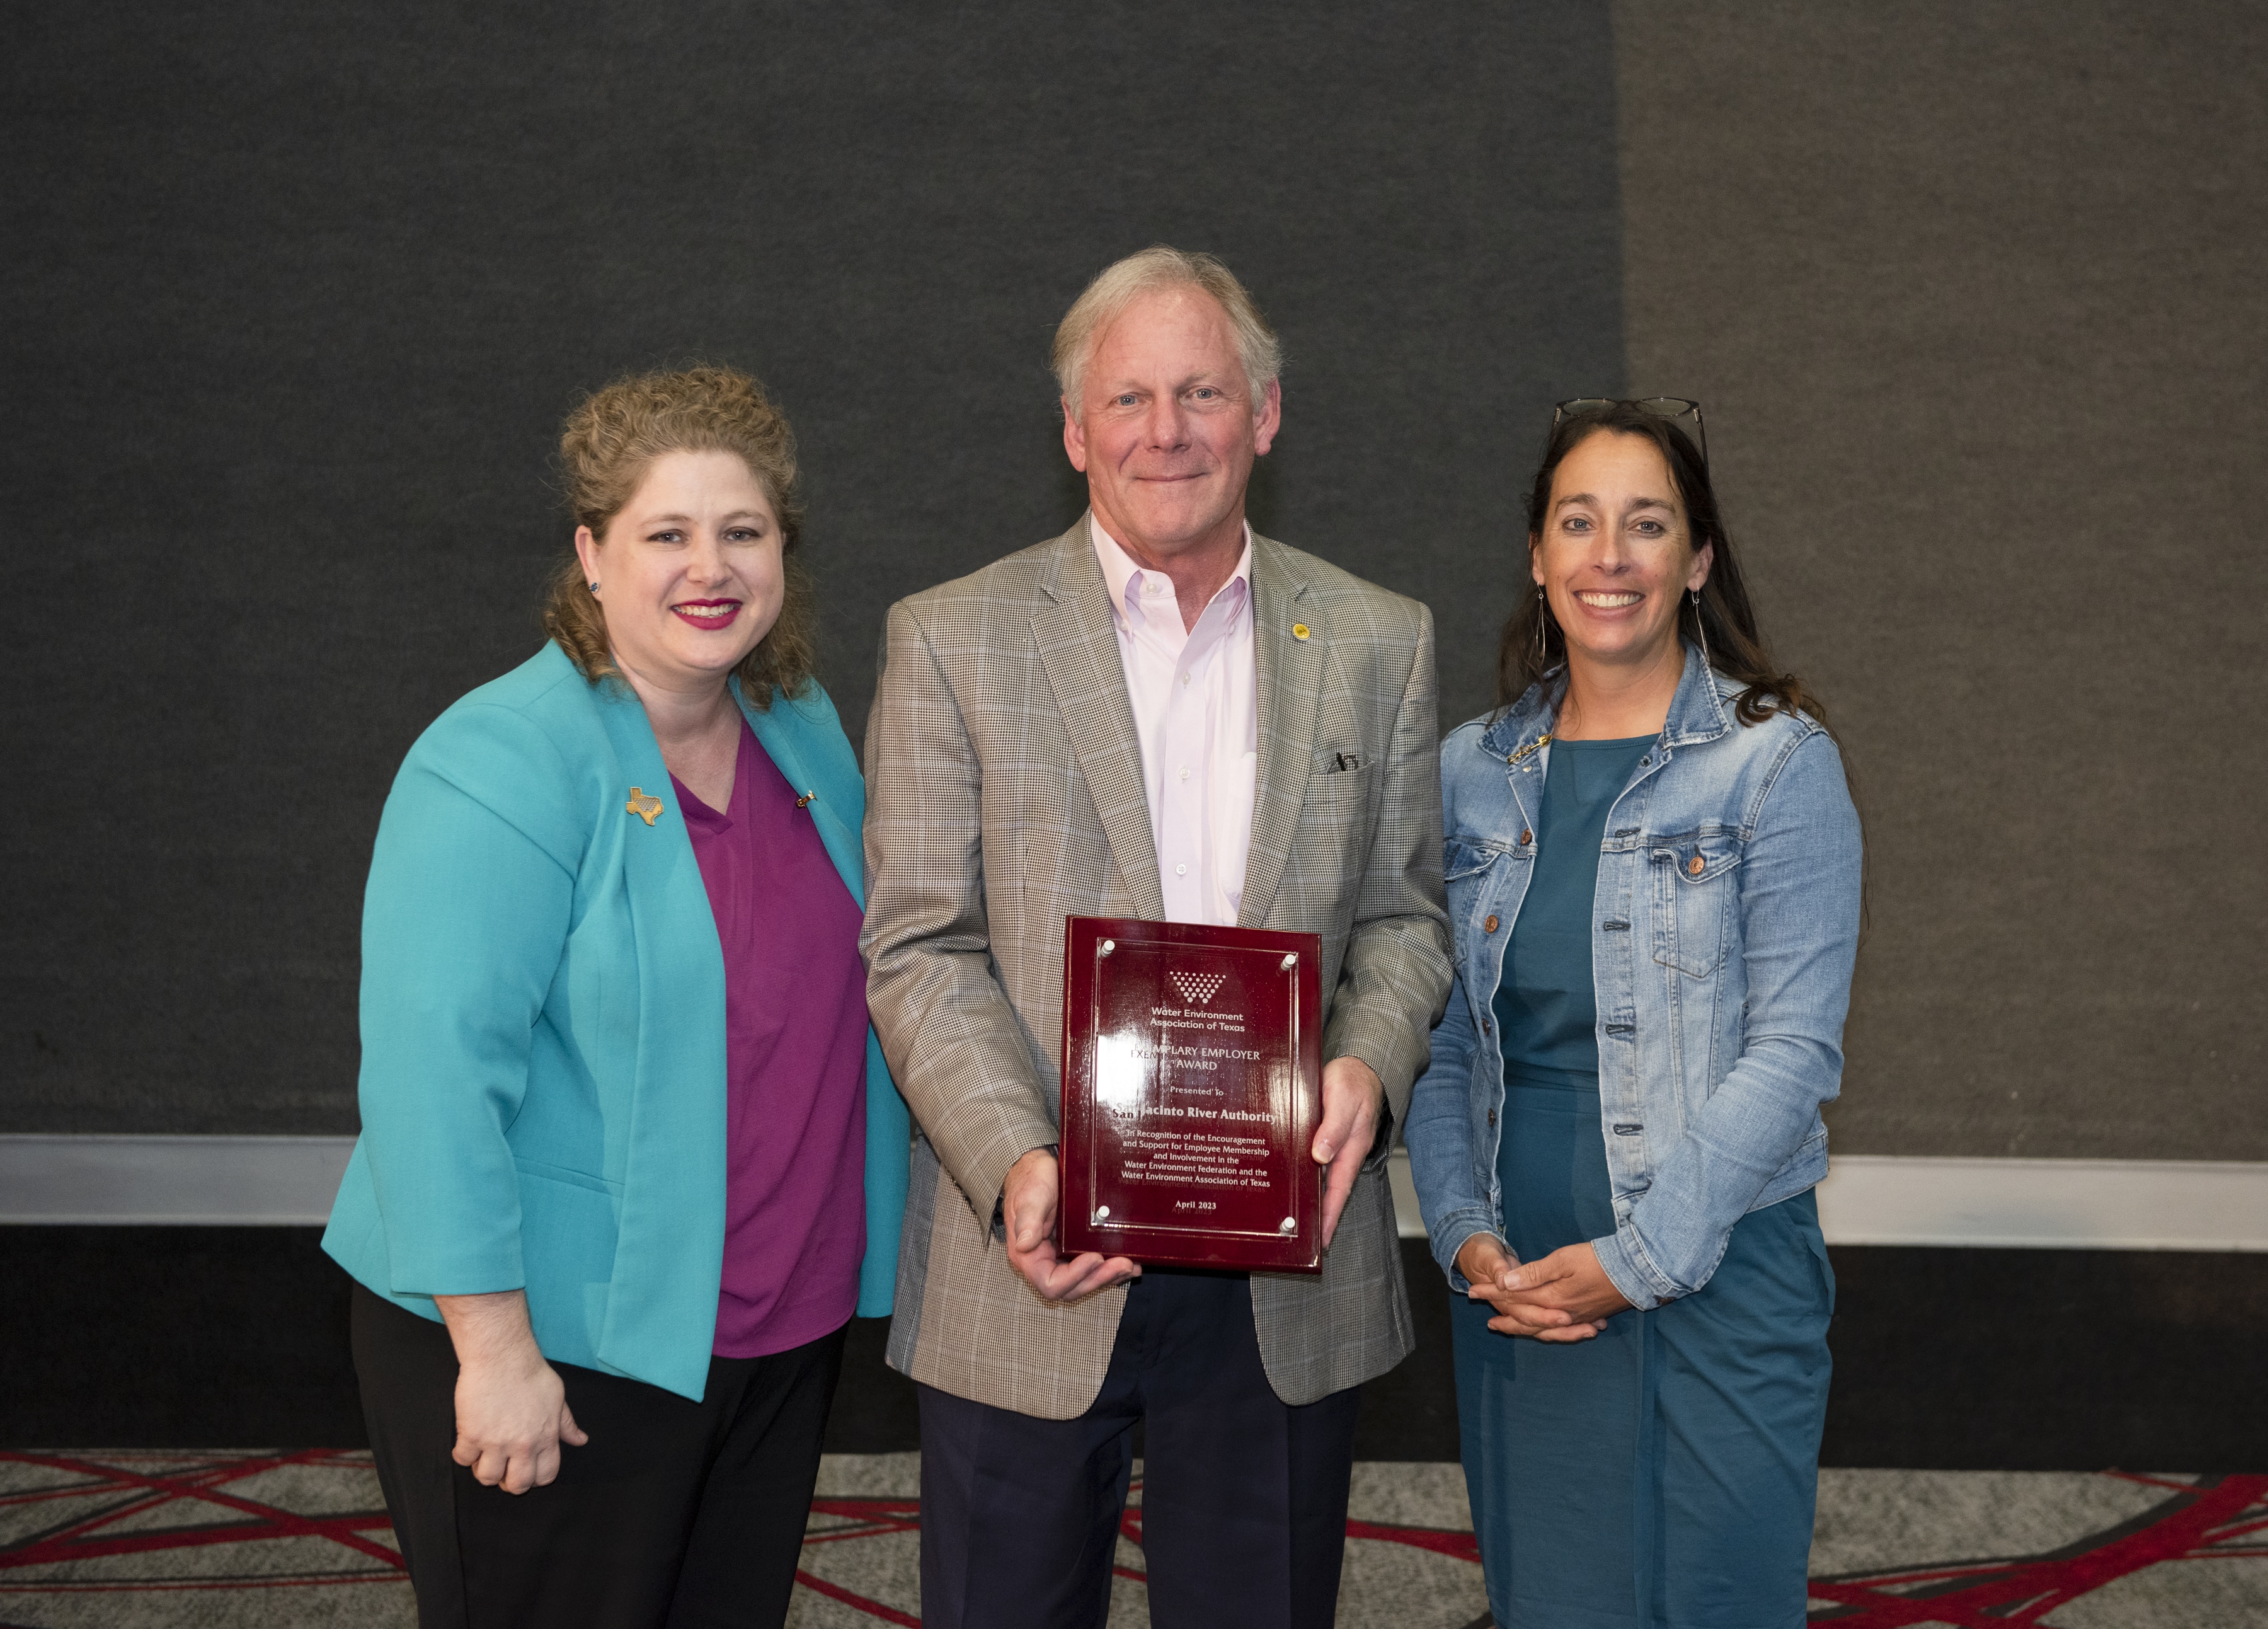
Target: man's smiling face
1167 428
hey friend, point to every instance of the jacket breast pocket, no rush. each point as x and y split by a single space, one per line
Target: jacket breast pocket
1466 866
1337 812
1340 774
1693 898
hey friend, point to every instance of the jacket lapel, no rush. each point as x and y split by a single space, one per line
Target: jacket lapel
1290 679
780 731
670 1242
1078 643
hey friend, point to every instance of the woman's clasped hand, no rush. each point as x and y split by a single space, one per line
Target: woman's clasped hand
1566 1296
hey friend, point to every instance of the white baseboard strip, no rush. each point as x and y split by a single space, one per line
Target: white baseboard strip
2094 1205
2104 1204
214 1182
2068 1205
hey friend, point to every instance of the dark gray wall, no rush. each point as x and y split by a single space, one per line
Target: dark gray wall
1973 294
295 301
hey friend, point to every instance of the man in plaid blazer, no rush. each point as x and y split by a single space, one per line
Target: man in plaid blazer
1161 715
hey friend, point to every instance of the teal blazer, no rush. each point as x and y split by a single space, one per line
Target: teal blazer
543 1027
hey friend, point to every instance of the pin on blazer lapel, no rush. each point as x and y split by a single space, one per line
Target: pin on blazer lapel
1078 643
777 732
1290 676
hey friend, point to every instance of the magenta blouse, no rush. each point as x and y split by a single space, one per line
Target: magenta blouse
795 1064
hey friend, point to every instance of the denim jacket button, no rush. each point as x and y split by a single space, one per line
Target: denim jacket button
1488 926
1526 837
1696 866
1491 1116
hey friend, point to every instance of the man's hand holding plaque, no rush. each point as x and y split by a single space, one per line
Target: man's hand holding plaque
1028 1206
1193 1097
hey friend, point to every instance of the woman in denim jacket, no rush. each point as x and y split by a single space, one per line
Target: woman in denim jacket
1653 866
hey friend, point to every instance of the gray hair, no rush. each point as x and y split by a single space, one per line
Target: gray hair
1157 267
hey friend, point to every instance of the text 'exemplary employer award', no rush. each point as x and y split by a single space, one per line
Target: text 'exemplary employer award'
1192 1083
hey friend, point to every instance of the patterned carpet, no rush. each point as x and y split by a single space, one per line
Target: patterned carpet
130 1540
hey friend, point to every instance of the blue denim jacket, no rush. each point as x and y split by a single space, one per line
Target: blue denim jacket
1725 922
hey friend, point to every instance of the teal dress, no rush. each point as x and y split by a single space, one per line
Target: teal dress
1662 1474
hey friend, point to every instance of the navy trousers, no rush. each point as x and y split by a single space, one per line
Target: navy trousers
1244 1496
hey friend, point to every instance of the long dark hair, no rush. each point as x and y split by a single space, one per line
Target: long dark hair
1533 648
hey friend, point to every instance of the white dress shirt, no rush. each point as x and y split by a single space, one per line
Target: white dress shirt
1195 693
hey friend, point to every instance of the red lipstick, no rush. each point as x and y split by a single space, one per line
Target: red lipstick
720 613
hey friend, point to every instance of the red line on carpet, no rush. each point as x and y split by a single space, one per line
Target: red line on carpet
278 1523
858 1603
2023 1592
1440 1540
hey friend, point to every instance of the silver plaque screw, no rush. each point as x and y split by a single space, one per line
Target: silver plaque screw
1290 1225
1291 960
1102 1213
1106 947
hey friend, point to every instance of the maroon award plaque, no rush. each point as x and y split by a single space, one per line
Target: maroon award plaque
1192 1084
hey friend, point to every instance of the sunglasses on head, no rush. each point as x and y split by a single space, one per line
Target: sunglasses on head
1674 409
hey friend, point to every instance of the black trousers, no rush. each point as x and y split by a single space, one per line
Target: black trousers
689 1514
1244 1497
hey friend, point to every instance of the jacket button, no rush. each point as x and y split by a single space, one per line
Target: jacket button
1696 866
1526 837
1488 926
1491 1116
1485 1027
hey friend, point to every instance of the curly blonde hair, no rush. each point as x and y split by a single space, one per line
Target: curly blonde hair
610 441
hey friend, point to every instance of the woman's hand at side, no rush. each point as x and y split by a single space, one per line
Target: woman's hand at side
1494 1271
1568 1283
511 1406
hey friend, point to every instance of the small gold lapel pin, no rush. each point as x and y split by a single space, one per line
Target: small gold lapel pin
806 800
1301 630
645 806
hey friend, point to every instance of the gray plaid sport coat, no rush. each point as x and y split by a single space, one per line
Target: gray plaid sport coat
1004 793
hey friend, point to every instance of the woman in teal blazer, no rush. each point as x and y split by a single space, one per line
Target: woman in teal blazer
623 1122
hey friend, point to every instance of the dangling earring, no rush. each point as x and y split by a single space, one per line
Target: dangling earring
1701 627
1542 616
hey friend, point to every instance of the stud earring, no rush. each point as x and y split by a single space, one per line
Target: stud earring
594 587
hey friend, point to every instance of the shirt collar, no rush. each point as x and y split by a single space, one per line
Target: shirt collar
1697 713
1122 577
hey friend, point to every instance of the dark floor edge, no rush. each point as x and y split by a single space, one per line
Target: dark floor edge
1944 1358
